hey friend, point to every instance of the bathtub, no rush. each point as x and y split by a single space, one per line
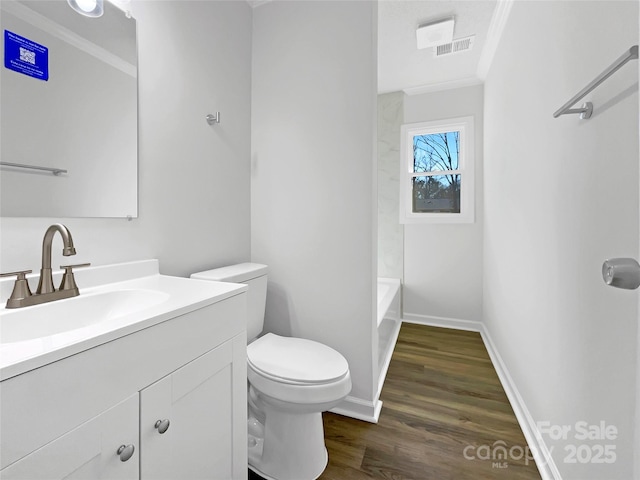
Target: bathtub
389 294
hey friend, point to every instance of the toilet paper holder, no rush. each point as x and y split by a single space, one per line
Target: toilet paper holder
621 273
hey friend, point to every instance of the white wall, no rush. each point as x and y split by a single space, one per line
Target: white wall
561 195
313 174
443 263
390 231
194 179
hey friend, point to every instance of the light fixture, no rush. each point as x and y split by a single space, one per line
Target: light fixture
435 33
89 8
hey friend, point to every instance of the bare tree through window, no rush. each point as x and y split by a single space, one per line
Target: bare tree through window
436 155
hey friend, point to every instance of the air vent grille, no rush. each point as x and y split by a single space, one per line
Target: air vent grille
457 46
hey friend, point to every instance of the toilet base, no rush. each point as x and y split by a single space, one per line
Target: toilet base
292 447
267 477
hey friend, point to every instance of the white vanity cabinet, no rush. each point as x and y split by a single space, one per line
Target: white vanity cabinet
193 404
87 451
67 419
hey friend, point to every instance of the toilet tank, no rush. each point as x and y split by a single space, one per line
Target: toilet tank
252 274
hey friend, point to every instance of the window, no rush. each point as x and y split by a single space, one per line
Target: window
436 177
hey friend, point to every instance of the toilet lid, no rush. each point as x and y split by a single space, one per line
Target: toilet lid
296 359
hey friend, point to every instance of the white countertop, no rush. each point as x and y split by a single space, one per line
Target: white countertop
179 296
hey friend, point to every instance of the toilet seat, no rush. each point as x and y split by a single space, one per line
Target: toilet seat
296 360
297 370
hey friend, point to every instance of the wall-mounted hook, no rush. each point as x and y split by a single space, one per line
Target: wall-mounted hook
211 119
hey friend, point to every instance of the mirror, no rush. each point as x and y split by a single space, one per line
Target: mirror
69 101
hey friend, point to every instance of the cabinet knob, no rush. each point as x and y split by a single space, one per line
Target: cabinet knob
125 452
162 425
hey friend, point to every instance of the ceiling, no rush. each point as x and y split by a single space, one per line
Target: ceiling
401 66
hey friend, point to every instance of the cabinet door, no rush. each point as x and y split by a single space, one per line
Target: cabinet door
197 400
87 452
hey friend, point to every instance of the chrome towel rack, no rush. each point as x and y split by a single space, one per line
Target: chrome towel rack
54 170
587 108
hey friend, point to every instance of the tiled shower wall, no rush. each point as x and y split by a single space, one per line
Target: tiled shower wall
390 231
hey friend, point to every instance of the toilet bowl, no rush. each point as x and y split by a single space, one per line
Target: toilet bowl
291 382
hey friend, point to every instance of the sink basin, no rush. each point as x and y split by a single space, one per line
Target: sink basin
78 312
115 301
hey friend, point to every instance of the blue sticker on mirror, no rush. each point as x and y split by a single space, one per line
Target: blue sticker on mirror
26 56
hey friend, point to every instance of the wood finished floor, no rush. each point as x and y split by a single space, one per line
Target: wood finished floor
440 396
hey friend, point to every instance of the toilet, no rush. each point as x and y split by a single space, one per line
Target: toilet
291 382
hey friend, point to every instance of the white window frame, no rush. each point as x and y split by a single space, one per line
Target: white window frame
465 125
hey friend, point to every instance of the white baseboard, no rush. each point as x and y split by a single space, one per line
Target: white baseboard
541 453
369 411
354 407
455 323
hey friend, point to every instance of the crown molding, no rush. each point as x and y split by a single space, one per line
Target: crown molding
438 87
498 23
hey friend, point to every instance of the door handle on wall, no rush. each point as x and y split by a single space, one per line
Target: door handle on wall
621 273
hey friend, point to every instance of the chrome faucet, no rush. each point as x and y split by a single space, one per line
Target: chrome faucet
22 296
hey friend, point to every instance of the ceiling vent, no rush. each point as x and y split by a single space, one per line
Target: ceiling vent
457 46
435 33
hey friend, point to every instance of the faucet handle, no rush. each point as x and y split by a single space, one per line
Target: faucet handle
21 273
75 266
21 288
68 280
